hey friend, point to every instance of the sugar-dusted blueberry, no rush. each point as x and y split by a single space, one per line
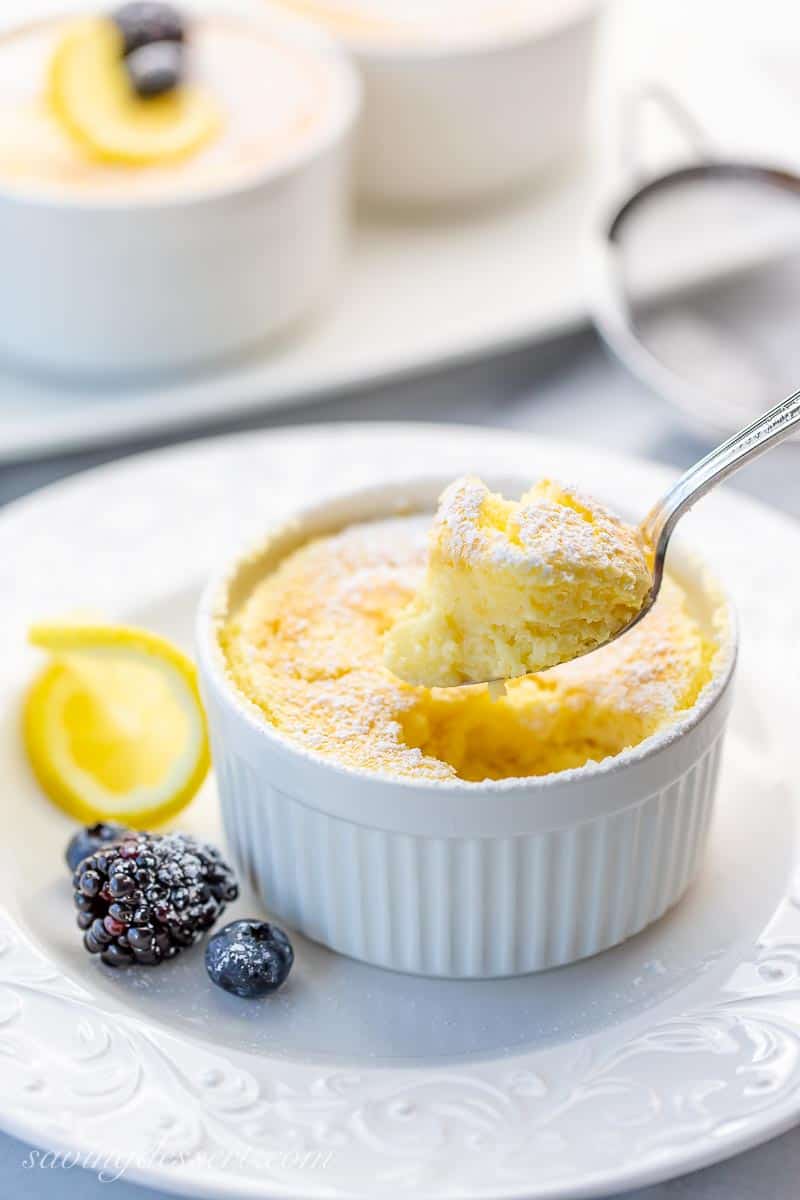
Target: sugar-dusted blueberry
249 958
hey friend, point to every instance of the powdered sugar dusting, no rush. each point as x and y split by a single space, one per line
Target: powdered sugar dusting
553 528
459 514
307 648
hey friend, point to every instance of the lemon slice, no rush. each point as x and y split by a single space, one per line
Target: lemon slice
113 725
92 97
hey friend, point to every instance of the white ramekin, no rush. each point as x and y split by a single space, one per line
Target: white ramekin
118 286
457 122
459 879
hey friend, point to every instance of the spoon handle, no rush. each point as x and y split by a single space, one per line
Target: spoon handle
764 433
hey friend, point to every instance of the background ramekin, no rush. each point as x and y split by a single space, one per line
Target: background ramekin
458 122
118 286
458 879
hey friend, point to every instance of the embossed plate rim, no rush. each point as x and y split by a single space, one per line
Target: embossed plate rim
73 533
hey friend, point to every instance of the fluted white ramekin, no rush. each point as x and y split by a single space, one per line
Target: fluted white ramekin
456 121
455 878
119 285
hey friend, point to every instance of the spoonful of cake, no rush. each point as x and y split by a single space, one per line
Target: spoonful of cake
516 587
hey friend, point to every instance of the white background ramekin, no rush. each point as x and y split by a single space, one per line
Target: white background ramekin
457 879
460 121
115 286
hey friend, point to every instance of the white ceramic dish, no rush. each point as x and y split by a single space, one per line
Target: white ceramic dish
83 290
356 342
455 120
672 1051
456 879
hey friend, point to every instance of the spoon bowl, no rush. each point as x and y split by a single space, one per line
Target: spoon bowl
768 430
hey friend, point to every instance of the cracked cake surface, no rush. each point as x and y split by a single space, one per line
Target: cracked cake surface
306 647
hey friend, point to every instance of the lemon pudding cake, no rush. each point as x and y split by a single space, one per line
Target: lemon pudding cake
81 116
306 646
516 587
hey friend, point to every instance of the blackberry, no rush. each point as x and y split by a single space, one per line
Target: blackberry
145 21
144 898
87 840
249 958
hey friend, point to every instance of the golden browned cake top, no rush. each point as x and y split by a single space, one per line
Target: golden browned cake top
307 646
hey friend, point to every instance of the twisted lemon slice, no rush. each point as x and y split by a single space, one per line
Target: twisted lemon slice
92 97
114 726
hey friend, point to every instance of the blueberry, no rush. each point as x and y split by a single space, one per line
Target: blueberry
155 68
145 21
249 958
88 841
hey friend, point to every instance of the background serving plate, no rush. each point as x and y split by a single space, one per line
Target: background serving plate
672 1051
420 294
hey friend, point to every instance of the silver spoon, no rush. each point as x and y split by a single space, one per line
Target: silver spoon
657 527
765 432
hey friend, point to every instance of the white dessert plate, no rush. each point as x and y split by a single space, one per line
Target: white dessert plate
426 293
677 1049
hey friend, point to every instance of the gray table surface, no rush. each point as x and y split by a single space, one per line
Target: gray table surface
567 389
